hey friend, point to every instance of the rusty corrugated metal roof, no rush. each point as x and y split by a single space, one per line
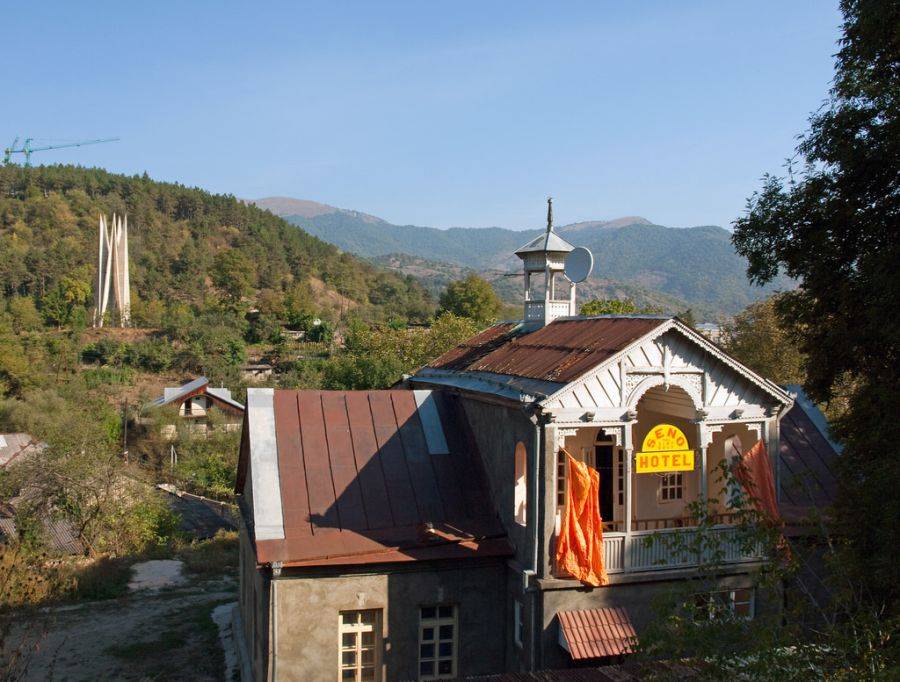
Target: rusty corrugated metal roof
58 534
365 478
15 446
472 350
597 633
560 351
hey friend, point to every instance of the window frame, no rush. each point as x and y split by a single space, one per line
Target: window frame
671 483
560 479
730 602
357 627
620 478
520 485
436 623
518 624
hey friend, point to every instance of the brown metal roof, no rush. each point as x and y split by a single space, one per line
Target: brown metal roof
561 351
596 633
358 483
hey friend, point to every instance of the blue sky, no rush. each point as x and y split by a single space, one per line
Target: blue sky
463 113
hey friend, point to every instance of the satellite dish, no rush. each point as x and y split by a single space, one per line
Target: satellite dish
579 264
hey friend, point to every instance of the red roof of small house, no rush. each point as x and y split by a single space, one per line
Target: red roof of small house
357 477
596 633
561 351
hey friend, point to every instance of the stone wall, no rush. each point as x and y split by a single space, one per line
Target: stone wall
307 608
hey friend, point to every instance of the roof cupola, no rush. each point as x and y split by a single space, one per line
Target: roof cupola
554 296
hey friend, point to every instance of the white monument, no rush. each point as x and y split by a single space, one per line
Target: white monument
112 271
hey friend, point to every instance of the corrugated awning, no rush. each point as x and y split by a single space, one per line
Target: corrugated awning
596 633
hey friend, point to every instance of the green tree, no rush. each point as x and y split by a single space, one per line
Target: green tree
59 305
233 273
24 314
832 225
608 306
758 338
472 297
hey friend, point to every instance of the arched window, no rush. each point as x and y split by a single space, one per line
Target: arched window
733 452
520 496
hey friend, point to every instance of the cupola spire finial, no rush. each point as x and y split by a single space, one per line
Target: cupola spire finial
549 214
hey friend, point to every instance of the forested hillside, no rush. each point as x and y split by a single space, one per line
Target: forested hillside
186 246
670 268
218 288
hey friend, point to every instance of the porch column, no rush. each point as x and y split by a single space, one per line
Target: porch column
703 438
628 454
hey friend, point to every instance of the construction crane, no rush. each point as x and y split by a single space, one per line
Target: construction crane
28 150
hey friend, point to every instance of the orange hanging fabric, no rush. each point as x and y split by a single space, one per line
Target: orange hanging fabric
579 549
755 474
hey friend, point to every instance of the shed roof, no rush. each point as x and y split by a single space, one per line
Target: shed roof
808 460
58 534
356 477
15 446
596 633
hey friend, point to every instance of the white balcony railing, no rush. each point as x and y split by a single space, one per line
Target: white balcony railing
534 310
659 549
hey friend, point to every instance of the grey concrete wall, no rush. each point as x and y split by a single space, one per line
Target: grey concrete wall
497 431
306 620
641 601
254 605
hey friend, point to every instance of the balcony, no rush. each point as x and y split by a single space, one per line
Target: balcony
652 550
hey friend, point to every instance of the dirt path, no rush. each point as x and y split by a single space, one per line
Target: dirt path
166 634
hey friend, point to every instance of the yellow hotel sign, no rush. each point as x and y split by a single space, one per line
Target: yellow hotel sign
664 449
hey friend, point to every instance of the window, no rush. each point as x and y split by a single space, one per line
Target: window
521 491
725 603
360 633
733 452
561 479
620 476
671 487
519 623
437 642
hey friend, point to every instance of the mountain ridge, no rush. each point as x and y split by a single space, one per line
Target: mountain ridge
696 266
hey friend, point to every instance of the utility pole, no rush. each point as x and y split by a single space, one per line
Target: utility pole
125 430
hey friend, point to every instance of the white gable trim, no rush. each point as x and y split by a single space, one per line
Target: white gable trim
653 380
268 520
674 325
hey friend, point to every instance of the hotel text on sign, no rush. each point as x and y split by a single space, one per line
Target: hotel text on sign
665 448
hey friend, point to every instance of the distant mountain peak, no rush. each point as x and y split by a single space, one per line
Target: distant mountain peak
624 221
285 206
